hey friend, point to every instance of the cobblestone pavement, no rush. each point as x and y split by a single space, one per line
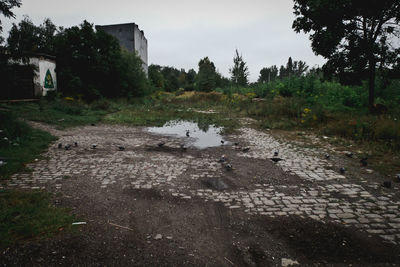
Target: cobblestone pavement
320 192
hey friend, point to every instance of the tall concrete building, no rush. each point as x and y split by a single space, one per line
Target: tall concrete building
129 36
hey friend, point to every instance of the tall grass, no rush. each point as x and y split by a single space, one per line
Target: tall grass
19 144
25 216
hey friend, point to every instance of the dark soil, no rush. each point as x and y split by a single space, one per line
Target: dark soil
202 233
122 224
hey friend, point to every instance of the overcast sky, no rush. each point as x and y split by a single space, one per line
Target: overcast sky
181 32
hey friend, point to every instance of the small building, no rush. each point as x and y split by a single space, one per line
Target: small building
34 77
45 79
130 37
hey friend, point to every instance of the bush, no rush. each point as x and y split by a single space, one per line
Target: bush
71 108
12 130
102 104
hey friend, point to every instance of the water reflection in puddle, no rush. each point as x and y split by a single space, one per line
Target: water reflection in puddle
200 137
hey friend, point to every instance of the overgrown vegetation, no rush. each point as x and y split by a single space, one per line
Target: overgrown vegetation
23 215
19 144
27 216
98 82
90 63
67 112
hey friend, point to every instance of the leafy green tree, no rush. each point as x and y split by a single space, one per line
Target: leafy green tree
89 63
133 79
5 10
239 71
170 75
170 79
155 77
221 81
353 35
27 39
190 80
268 74
293 68
191 76
207 75
299 68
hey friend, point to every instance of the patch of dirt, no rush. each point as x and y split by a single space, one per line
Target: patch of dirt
123 223
201 234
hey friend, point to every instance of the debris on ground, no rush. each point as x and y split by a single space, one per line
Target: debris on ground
158 237
79 223
288 262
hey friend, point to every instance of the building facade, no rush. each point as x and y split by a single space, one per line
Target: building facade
130 37
45 79
32 78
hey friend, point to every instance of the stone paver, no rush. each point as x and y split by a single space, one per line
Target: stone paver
331 197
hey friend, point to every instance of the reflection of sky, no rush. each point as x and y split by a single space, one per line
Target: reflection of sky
198 138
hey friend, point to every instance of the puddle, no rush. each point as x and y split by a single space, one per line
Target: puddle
200 137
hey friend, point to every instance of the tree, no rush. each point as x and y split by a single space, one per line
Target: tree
207 76
353 35
155 76
239 71
221 81
299 68
26 39
5 10
268 74
171 80
90 64
190 80
132 79
293 68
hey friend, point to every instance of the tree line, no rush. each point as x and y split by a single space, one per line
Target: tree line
90 62
357 38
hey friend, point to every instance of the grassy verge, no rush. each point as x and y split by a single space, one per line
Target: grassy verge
158 112
58 112
375 136
378 136
19 144
151 111
25 216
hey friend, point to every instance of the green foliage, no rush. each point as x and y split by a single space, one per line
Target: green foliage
24 216
293 68
87 62
239 71
19 143
163 107
132 77
207 75
90 63
25 38
156 78
5 10
354 36
59 112
171 79
268 74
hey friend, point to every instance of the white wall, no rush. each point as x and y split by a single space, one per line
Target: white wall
141 47
42 66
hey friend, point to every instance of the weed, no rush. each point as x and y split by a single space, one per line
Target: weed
19 144
24 216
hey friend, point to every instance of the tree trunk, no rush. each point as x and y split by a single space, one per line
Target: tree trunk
371 85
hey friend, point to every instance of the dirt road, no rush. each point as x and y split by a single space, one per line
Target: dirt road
166 206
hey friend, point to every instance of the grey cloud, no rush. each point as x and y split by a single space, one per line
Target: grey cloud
181 32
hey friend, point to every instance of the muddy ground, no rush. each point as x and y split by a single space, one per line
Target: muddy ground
163 206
